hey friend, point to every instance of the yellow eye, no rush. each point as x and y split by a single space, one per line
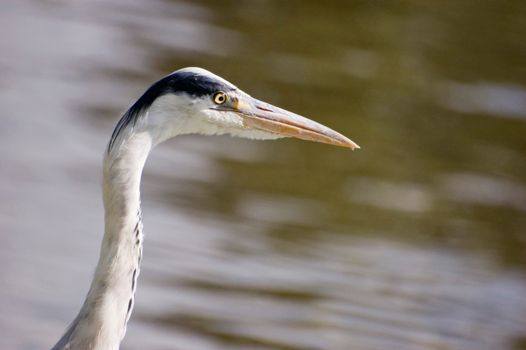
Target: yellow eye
220 98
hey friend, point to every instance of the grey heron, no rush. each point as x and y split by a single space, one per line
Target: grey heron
188 101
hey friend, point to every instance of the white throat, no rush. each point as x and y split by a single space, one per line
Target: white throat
101 322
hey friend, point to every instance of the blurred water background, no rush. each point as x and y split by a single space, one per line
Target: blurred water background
416 241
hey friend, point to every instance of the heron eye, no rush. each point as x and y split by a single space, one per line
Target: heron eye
220 98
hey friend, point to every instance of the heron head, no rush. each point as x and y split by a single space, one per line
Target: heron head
194 100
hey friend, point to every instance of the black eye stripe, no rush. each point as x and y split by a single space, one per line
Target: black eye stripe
187 82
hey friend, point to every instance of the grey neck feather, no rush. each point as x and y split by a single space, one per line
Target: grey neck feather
101 322
154 118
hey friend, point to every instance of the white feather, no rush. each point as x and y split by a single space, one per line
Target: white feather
101 323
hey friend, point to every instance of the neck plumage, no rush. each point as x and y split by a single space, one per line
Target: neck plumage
101 322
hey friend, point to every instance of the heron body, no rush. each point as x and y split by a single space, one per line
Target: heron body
188 101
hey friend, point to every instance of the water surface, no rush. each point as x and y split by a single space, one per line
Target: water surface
414 242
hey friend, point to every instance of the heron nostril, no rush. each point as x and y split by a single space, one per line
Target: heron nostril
264 109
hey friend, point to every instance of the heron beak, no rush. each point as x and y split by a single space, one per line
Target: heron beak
264 116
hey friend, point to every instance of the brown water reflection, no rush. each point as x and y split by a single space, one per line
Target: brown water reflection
414 242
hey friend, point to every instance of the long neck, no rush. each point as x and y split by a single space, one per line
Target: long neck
101 323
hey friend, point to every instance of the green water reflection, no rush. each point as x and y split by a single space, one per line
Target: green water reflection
417 84
415 241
